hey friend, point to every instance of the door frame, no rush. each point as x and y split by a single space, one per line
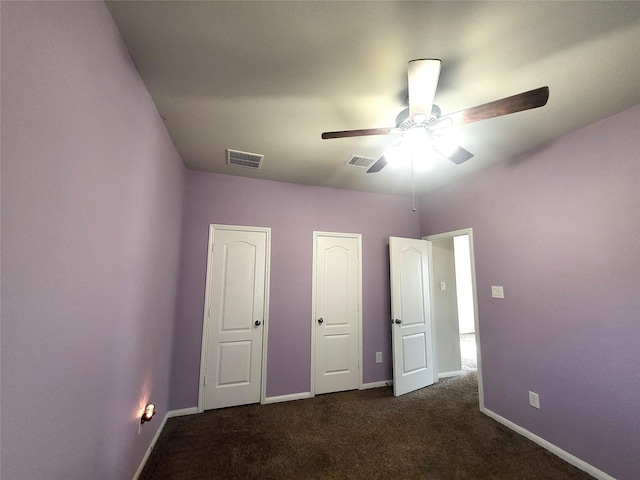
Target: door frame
206 319
474 292
358 236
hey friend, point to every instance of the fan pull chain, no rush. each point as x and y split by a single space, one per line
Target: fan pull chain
413 190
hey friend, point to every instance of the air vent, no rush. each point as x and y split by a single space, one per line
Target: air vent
357 161
244 159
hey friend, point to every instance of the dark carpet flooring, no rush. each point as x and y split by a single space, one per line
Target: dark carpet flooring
436 433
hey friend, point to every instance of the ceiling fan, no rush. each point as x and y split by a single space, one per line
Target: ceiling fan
422 125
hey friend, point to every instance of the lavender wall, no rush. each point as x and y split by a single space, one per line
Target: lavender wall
92 196
559 229
293 212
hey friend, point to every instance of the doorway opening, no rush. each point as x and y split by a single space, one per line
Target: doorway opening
455 318
464 302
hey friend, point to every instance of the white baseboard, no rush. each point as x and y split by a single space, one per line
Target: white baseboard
384 383
303 395
287 398
566 456
151 445
182 412
170 414
450 374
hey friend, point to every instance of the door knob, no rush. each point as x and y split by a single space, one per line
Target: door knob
258 322
398 321
320 320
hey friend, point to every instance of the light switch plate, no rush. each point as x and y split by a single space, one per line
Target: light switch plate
534 399
497 291
378 357
443 286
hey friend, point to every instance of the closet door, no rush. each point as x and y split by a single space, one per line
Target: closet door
235 316
337 314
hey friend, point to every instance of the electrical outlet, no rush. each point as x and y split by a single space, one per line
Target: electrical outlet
378 357
534 400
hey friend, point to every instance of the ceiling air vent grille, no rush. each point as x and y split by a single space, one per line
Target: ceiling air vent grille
358 161
244 159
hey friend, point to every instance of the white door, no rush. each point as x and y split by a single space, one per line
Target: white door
235 315
336 322
412 340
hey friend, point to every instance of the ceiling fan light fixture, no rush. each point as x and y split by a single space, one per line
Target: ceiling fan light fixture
422 125
396 156
415 138
422 161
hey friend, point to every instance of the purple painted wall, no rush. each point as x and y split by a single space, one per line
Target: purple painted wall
559 229
92 197
293 212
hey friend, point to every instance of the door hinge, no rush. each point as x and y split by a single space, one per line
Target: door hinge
204 381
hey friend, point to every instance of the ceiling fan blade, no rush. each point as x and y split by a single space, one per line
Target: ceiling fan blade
458 156
516 103
379 165
358 133
423 79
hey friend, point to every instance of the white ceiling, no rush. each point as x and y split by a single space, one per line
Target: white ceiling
270 77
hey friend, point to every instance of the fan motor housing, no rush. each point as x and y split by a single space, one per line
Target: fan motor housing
404 122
